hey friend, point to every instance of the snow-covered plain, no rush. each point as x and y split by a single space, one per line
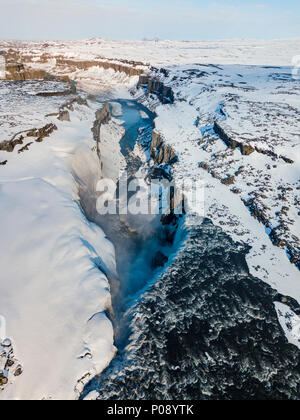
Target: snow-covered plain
54 263
164 52
51 271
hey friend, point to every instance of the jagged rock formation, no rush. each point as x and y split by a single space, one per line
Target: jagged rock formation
64 116
156 87
9 366
70 104
23 72
160 152
64 110
103 116
206 330
18 69
129 69
18 63
72 90
19 72
25 148
9 146
265 132
245 149
39 133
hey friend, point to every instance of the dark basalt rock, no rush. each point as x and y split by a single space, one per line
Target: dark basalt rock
287 160
230 180
160 152
43 132
39 133
246 150
72 90
127 67
9 146
156 87
69 105
233 144
277 234
25 148
274 155
206 330
64 116
257 212
159 260
18 371
103 116
159 173
3 379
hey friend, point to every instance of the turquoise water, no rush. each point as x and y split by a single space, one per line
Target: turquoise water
133 122
137 239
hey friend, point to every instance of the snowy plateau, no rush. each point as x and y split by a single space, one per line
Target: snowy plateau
230 113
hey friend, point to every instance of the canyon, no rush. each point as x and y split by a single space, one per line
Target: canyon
197 295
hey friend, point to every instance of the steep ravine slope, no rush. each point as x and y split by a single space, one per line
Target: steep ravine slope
213 304
237 129
55 294
144 243
206 329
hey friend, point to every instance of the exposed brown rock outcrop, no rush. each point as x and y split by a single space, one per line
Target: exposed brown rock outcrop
70 104
72 90
156 87
273 155
11 366
25 148
233 144
210 170
43 132
160 152
257 210
18 72
230 180
103 116
64 116
9 146
85 65
246 149
278 234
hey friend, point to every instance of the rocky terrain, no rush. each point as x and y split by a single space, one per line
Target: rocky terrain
250 139
9 367
205 330
237 128
222 316
46 151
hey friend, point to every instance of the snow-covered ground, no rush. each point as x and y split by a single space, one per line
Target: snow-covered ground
54 295
255 107
54 263
163 53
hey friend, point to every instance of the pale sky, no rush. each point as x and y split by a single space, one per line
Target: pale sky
137 19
